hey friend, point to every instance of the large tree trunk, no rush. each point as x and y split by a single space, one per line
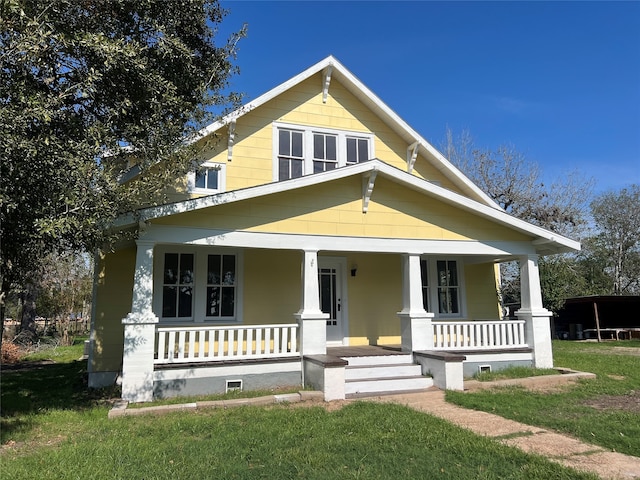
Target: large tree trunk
2 297
28 321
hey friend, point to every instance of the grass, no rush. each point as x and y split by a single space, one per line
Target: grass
568 411
56 352
362 440
54 428
513 372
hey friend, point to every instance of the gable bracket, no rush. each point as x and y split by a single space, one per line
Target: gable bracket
326 80
368 183
412 154
232 134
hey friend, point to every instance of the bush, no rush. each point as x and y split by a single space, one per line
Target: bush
11 353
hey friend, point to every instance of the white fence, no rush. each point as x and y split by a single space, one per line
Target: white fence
214 344
479 335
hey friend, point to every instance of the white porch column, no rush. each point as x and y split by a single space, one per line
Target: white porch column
313 322
415 322
536 317
139 331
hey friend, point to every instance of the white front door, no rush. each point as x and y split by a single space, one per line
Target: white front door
332 301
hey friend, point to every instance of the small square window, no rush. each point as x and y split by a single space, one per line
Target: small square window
208 178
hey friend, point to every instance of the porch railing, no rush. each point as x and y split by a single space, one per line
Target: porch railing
478 335
215 344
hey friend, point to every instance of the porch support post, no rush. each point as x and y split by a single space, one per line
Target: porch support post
312 321
415 322
139 331
536 317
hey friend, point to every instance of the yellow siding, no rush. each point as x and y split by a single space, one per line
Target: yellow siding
252 162
113 302
272 286
482 292
273 289
375 297
336 209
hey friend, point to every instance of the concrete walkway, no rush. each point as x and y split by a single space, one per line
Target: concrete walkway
558 448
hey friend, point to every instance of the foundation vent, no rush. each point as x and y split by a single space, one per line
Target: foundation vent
234 386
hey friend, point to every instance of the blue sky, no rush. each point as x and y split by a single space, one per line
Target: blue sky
560 81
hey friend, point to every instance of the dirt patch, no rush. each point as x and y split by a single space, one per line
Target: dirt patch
628 403
626 351
542 383
610 350
13 447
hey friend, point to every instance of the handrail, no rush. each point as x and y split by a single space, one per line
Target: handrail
478 334
184 344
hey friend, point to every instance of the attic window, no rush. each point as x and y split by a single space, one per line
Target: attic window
357 150
208 178
300 150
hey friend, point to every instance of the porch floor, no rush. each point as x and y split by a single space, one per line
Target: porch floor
364 351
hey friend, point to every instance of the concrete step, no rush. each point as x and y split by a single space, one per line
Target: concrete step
363 372
379 360
387 385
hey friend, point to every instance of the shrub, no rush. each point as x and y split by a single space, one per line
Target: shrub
11 353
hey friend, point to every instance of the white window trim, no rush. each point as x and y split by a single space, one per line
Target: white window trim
432 276
222 179
199 285
307 144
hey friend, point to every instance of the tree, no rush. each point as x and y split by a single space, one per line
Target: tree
615 249
87 86
65 287
515 184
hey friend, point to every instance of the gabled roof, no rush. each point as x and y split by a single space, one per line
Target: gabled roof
545 240
336 71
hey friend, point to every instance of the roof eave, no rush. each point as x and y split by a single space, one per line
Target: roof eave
546 242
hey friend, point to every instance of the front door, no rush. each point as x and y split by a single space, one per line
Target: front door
330 274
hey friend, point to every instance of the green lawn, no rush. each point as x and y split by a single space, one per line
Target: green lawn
362 440
59 354
53 428
603 411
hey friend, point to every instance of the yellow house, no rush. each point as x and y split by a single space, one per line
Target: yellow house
322 241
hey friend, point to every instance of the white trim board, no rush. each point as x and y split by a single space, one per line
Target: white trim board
282 241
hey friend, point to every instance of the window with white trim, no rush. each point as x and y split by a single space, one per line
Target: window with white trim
290 154
442 291
426 290
357 150
325 152
300 150
177 285
208 178
221 286
448 286
197 284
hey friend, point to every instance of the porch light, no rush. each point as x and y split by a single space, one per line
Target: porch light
354 269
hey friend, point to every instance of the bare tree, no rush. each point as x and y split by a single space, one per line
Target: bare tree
515 184
617 243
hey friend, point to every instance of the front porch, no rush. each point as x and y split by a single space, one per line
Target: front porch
190 360
199 356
